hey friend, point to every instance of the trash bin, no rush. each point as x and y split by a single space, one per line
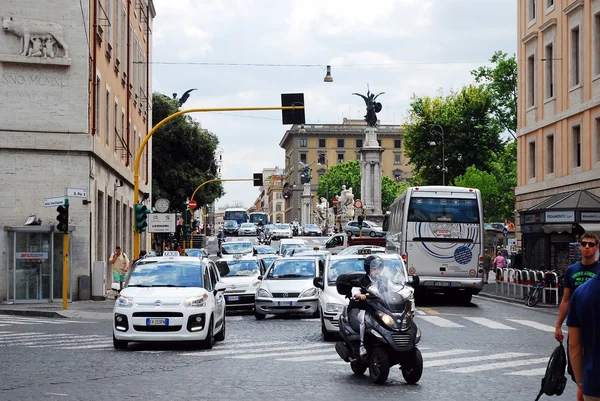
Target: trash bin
84 288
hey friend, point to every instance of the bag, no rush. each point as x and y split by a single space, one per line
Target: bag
554 380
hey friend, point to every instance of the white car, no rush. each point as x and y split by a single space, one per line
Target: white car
331 303
247 229
281 231
170 298
236 247
240 276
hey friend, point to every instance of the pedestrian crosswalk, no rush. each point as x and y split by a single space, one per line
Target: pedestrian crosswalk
469 322
61 341
16 320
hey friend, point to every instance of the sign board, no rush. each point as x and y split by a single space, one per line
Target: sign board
161 223
77 193
192 204
567 216
590 216
358 204
170 253
335 201
31 255
54 202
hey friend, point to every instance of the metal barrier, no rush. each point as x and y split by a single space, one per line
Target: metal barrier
521 281
502 273
512 282
551 284
539 278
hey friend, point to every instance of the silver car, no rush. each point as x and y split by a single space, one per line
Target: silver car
287 288
281 231
247 229
368 228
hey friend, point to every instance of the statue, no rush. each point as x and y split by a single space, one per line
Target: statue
305 174
321 212
373 107
346 201
33 34
184 97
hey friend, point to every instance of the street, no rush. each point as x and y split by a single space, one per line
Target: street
489 350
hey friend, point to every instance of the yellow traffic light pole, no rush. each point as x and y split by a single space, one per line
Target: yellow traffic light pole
140 151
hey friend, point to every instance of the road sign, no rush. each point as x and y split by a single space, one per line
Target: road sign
161 223
335 201
358 204
192 204
53 202
77 192
505 231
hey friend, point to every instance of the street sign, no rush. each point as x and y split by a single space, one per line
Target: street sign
358 204
54 202
335 201
77 193
161 223
192 204
505 231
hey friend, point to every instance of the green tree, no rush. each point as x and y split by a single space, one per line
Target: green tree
182 158
501 80
471 134
348 174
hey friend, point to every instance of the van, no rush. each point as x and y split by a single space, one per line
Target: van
287 243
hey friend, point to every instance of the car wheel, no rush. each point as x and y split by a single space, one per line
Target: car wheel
221 334
119 344
209 341
259 316
327 336
349 233
372 234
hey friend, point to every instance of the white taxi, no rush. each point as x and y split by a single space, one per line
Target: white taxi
170 298
235 247
240 277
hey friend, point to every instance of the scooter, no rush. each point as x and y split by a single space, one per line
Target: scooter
391 335
261 237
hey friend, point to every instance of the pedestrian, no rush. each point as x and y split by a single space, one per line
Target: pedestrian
499 262
487 262
120 266
577 274
584 332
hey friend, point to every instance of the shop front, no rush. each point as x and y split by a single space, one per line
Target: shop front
551 229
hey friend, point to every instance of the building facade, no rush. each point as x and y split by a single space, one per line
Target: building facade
74 109
558 125
330 144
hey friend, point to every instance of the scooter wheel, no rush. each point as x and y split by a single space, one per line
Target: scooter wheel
358 367
379 365
414 369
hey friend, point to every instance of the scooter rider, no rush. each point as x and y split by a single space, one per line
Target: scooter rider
373 265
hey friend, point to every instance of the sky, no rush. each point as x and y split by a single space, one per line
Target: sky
245 53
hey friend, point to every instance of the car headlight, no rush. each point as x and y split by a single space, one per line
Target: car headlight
333 308
124 302
255 283
195 302
308 293
386 319
263 293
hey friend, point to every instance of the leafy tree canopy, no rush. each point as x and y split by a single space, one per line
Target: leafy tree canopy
183 157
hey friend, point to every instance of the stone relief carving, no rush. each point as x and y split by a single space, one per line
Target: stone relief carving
321 212
38 38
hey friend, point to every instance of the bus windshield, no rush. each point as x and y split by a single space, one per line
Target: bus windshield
441 210
238 215
256 217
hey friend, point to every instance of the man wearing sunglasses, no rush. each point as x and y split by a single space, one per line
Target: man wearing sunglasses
577 274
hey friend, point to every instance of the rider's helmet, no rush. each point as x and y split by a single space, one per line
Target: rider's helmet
373 265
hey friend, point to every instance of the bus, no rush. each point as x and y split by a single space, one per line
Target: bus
255 217
438 231
236 213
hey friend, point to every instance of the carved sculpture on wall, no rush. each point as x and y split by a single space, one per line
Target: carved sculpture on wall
321 212
38 38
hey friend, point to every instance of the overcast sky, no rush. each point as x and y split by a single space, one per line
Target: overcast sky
400 47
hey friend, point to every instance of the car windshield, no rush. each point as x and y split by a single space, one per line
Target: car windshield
282 226
264 250
286 247
230 248
392 269
285 269
165 274
311 227
193 252
247 225
269 259
239 267
230 223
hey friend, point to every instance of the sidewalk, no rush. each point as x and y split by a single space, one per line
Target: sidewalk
489 291
89 310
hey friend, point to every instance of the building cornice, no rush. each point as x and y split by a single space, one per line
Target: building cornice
550 23
533 35
573 6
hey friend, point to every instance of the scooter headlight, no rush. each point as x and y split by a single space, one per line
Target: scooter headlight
406 321
386 319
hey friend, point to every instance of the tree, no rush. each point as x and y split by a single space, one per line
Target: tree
182 158
484 182
471 134
501 80
348 174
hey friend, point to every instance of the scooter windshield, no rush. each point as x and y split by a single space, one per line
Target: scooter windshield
390 288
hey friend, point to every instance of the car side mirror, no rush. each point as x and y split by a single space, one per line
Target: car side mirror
260 277
414 280
219 254
318 282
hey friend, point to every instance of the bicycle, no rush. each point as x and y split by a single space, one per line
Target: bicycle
535 295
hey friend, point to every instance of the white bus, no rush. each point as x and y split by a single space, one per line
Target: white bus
438 231
236 213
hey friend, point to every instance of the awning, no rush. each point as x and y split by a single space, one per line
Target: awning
557 228
592 227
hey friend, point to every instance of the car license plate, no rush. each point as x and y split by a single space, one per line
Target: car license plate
236 298
442 284
285 303
157 322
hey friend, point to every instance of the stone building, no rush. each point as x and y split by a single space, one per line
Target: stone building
74 108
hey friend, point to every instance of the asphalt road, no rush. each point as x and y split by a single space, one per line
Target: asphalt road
487 351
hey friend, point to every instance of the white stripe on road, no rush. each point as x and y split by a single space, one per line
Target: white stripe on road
232 318
66 340
440 321
301 351
498 365
489 323
448 353
236 348
309 358
91 346
420 312
507 355
530 372
27 340
535 325
17 335
26 320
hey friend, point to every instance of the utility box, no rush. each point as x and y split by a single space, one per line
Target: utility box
83 285
99 281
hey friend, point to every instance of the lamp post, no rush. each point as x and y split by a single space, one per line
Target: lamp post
327 195
438 130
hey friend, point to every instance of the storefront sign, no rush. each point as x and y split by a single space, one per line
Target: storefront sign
560 217
590 216
32 255
161 223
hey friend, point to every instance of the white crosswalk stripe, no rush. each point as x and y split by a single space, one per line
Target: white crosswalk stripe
8 320
439 321
535 325
498 365
489 323
452 361
529 372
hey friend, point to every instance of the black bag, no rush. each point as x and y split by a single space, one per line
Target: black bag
554 380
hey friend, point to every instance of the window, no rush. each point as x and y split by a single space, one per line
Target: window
340 143
321 158
322 143
98 105
340 158
278 207
108 23
122 126
549 71
379 142
550 154
303 142
596 44
531 81
574 74
397 143
397 177
576 146
549 3
116 125
359 143
107 118
531 10
531 161
303 157
117 30
278 195
397 158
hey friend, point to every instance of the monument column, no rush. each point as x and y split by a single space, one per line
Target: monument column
306 211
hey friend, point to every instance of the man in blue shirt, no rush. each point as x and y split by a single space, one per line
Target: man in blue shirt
584 335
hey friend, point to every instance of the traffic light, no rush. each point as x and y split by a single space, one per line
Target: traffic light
296 116
141 215
360 221
257 179
63 217
335 210
187 232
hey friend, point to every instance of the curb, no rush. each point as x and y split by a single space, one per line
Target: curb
29 312
514 301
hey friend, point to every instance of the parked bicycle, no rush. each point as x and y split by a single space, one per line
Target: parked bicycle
536 293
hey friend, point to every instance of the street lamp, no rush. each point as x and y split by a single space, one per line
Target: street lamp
327 190
438 130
